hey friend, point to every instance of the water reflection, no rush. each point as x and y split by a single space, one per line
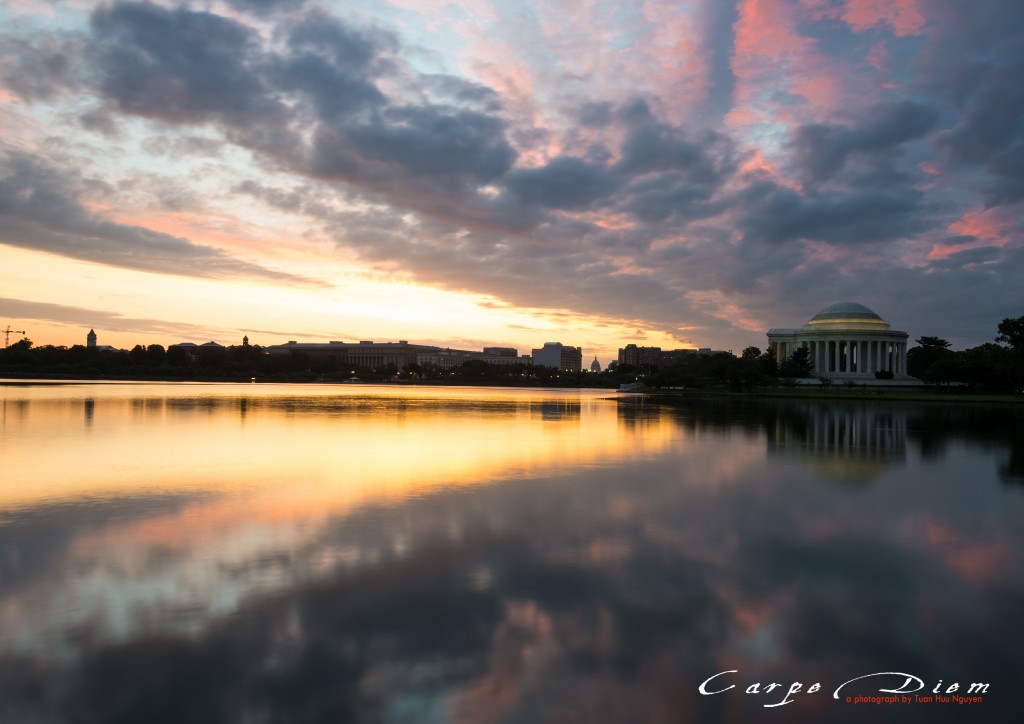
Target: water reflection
354 444
561 410
844 442
498 556
997 429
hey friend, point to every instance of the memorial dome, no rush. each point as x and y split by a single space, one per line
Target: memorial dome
846 315
848 342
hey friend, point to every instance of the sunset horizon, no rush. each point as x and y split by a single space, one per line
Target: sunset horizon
596 173
506 361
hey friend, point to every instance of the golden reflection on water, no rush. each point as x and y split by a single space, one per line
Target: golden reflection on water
548 547
316 448
260 471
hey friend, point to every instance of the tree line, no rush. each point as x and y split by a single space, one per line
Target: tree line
997 366
994 367
245 362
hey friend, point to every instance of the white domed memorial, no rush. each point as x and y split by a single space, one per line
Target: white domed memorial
846 341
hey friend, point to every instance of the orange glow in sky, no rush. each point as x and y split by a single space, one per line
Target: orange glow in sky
500 173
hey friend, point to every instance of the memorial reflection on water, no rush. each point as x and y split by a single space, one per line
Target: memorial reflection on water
851 442
224 553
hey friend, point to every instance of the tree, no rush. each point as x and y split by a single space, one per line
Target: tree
924 360
797 364
988 367
1011 332
949 368
212 358
177 356
475 369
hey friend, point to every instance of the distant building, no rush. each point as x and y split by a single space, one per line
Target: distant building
640 356
365 353
90 343
192 350
448 359
188 348
845 341
558 356
401 354
675 356
595 366
650 357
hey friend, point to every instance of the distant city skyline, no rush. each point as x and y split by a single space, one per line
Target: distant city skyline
550 354
665 173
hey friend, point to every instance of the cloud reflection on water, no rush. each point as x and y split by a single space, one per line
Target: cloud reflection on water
667 544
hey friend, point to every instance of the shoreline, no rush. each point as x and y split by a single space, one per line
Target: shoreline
661 395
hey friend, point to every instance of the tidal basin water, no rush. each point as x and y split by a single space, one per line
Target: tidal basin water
268 553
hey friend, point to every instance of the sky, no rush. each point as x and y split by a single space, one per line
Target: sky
679 173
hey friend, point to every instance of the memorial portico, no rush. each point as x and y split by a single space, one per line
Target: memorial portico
845 341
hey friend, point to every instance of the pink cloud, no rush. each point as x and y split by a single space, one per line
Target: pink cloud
776 67
717 304
766 30
989 227
546 61
206 228
819 9
680 71
755 162
989 224
879 57
902 16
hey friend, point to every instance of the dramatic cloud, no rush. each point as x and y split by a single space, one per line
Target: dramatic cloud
39 210
564 183
822 149
777 214
679 165
265 6
178 65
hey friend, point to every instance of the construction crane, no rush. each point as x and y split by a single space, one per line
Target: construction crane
7 335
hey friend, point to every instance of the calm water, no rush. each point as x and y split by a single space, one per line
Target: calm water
226 553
